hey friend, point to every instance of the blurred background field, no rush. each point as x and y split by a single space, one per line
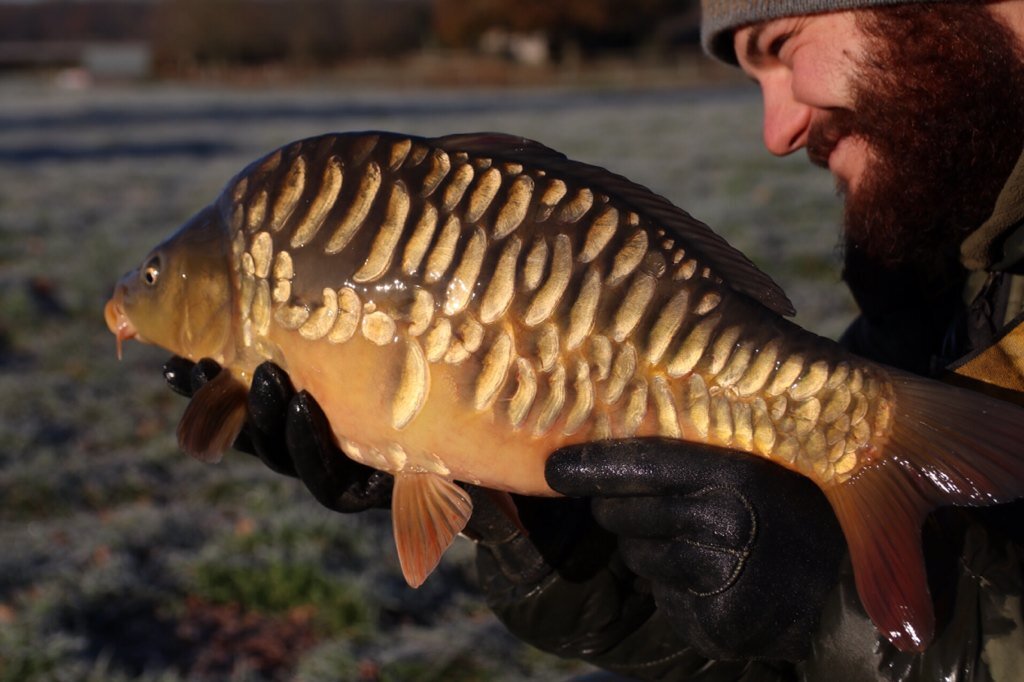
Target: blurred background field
121 558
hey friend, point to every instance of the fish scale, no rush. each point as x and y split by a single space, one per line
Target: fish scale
624 292
461 307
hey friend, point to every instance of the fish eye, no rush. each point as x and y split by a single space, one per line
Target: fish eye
151 271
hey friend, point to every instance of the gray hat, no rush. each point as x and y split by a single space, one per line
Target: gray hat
719 18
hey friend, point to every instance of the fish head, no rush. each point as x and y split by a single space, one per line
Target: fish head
180 296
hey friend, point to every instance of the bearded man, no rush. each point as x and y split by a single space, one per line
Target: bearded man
675 561
918 112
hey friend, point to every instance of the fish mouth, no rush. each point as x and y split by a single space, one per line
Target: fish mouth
118 322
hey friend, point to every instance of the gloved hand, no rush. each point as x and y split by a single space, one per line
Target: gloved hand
739 552
290 434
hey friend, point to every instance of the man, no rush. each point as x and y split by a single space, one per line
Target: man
917 112
694 563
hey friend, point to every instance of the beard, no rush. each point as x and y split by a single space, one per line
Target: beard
939 100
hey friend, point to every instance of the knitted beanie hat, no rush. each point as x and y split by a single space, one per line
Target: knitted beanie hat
719 18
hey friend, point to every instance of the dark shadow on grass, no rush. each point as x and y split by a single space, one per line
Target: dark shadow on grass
200 149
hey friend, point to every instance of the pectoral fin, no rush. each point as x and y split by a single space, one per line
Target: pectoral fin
213 419
428 511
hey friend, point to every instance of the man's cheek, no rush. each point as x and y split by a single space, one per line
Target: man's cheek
850 162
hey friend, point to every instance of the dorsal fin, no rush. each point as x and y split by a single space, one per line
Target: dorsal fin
735 269
511 147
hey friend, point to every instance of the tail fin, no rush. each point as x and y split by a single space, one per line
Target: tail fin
948 446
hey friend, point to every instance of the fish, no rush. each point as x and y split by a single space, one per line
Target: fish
463 306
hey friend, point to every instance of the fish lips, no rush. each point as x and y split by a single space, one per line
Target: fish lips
117 319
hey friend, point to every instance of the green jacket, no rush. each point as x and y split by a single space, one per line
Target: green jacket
978 554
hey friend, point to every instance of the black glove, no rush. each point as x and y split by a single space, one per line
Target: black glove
555 579
671 561
290 434
739 552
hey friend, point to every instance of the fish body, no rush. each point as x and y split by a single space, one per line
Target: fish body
463 306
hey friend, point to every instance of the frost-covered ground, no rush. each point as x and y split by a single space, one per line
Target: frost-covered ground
122 558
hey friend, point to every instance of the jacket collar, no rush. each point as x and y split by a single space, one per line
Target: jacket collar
999 243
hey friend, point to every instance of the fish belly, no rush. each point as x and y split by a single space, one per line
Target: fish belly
367 392
394 409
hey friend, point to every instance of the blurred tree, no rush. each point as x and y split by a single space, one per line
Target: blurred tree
593 25
201 32
67 20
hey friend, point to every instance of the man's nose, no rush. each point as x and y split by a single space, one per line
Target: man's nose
786 121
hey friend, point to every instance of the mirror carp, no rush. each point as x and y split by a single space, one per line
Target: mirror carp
463 306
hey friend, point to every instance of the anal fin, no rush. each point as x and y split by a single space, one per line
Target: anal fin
428 511
213 419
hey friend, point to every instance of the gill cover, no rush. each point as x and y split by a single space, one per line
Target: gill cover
180 297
